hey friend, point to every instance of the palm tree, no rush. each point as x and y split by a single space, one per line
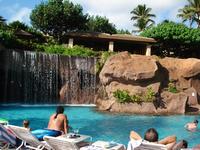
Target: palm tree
191 12
142 16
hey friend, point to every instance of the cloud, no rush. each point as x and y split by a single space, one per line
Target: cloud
21 15
118 11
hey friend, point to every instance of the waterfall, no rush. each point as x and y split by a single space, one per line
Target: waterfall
39 78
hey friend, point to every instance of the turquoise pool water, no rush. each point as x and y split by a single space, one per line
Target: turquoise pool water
103 126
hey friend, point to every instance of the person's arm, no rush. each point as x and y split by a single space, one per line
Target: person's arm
65 125
49 122
135 136
168 140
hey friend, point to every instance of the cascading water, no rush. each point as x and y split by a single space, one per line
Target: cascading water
38 78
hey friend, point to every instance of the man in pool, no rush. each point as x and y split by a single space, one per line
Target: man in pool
192 125
58 121
151 135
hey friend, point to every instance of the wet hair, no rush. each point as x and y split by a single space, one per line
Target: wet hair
59 110
196 121
26 123
151 135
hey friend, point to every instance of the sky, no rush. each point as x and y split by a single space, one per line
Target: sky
117 11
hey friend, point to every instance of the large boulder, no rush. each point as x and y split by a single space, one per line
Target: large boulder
172 103
131 88
183 71
136 74
126 68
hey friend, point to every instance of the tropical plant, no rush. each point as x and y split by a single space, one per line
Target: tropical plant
17 25
142 17
56 17
174 39
100 24
61 49
191 12
122 96
149 95
104 56
172 88
122 31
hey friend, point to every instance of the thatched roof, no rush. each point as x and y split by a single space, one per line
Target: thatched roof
114 37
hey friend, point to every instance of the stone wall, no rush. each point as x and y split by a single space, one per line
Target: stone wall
136 73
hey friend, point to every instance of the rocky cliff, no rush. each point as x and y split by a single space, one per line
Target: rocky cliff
175 82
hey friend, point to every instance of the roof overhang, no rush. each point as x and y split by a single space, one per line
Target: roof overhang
112 37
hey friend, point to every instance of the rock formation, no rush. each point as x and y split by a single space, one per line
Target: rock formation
137 73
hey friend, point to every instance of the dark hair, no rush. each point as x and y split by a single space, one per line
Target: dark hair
26 123
196 121
180 144
59 110
185 144
151 135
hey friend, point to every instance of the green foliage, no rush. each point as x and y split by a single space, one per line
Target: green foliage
150 95
80 51
142 17
174 38
9 40
172 88
122 31
56 17
122 96
104 56
3 24
100 24
191 12
17 25
61 49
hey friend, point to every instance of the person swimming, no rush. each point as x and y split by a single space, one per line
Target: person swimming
192 126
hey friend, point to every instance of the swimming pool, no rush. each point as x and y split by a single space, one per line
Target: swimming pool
104 126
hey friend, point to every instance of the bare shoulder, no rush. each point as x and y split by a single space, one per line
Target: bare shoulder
52 116
63 116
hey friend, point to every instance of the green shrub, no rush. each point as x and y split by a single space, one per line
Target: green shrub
135 98
104 56
149 95
54 49
172 88
80 51
122 96
74 51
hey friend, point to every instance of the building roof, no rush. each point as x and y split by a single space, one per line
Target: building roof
23 33
114 37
